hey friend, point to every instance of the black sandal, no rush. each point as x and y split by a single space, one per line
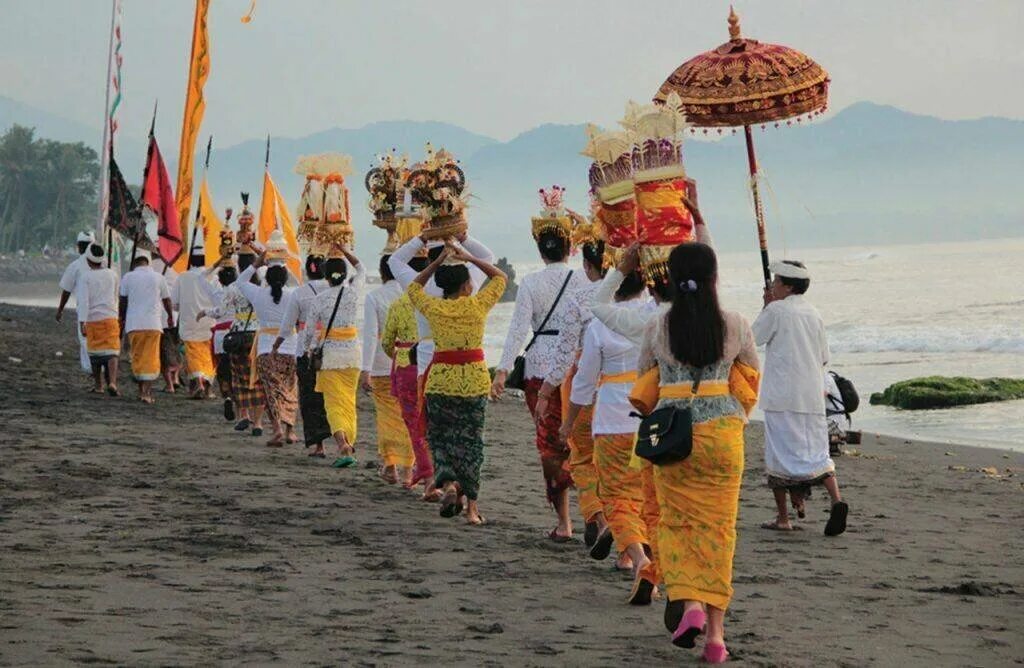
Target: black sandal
837 519
674 614
602 546
590 534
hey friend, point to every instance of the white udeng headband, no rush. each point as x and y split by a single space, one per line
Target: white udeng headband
789 270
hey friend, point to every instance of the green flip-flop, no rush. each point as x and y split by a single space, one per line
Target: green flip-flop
346 462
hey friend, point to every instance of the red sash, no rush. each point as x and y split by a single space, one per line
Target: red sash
466 356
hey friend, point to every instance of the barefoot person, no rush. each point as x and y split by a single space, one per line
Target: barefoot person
607 368
696 348
796 452
274 370
96 296
393 444
298 316
145 309
457 381
69 286
542 308
334 316
190 297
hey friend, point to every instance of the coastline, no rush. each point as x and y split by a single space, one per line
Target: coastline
131 534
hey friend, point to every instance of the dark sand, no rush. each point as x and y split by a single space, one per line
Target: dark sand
155 535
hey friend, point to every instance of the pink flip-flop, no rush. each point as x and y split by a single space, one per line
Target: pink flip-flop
690 626
715 653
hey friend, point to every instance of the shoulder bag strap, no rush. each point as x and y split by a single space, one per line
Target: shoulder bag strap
551 310
330 323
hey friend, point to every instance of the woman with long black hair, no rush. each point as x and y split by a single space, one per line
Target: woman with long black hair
275 369
706 360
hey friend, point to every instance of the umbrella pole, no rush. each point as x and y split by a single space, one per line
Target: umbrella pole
762 239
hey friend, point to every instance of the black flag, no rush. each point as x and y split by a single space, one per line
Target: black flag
124 215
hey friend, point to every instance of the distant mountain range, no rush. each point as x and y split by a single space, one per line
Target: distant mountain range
869 174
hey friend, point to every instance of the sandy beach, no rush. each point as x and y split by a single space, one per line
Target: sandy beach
156 535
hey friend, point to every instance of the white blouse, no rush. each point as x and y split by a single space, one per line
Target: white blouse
298 310
145 290
536 294
375 314
267 312
570 337
338 354
607 353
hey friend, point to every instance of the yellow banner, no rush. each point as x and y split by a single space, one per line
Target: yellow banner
210 224
195 106
274 215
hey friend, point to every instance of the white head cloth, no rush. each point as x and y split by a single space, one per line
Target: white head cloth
786 270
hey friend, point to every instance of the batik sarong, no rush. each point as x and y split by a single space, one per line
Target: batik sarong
145 345
223 362
339 389
620 487
246 398
311 403
405 386
455 430
170 355
277 374
699 499
554 454
392 437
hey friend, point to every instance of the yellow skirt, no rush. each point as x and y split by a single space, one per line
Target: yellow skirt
145 345
393 442
699 498
339 389
103 337
581 463
199 359
620 488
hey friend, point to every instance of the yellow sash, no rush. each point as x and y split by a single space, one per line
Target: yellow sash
621 377
340 334
714 388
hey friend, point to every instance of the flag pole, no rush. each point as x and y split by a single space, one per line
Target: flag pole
107 140
195 228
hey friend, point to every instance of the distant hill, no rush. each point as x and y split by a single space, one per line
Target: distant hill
869 174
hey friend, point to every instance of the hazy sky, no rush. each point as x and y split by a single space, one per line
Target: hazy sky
497 68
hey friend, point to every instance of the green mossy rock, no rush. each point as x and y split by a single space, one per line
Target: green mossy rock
943 392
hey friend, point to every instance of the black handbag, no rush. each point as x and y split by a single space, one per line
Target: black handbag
666 435
517 376
240 341
316 358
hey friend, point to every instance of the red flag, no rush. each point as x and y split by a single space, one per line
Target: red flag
158 204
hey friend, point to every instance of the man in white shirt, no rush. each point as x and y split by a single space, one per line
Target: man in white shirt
69 286
145 299
190 297
298 316
96 296
393 444
796 434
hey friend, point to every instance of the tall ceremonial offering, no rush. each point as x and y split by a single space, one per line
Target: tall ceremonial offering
324 216
659 183
611 184
743 83
386 185
553 216
246 235
437 187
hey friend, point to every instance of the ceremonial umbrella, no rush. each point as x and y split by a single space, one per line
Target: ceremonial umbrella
745 82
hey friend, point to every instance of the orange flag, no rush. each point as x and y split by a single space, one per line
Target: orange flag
210 224
195 106
273 216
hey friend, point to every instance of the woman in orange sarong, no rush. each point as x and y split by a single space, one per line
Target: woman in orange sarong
696 345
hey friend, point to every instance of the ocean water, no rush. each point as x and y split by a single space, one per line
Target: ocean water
892 313
899 312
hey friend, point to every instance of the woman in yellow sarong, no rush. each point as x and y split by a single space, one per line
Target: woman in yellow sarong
699 496
334 315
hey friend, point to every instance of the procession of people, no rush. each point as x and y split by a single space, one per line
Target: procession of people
601 354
